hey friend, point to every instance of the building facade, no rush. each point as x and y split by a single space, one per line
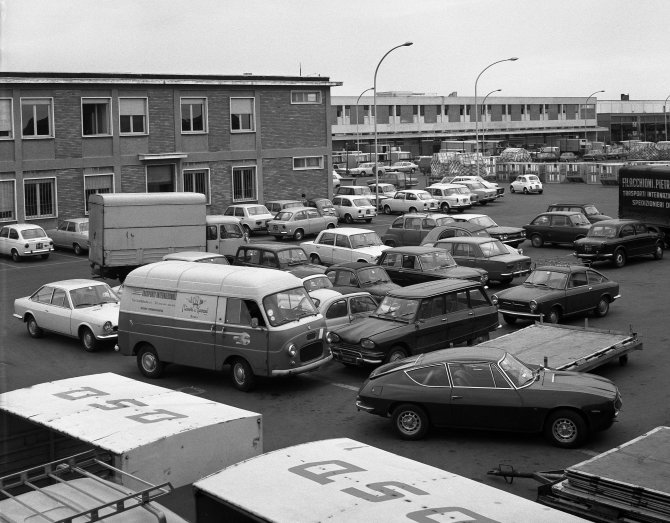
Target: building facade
235 139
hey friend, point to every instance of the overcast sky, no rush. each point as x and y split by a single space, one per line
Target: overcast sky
565 47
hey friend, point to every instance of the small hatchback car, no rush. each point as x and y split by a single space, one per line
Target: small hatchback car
22 240
526 183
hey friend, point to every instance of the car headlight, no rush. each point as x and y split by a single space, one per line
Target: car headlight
503 237
367 343
494 299
523 233
484 278
107 327
331 337
292 350
533 305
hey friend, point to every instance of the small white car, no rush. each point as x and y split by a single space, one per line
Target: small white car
404 167
79 308
21 240
253 216
71 234
336 179
410 200
346 244
451 196
489 185
354 208
343 309
367 169
526 183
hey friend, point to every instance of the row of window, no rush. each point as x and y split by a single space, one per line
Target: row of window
404 111
37 115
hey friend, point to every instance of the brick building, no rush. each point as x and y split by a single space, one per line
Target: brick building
233 138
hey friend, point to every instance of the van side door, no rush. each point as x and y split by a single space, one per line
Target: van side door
241 331
193 330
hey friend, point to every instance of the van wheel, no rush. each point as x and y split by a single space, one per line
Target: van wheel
148 362
88 340
410 421
33 329
243 376
298 235
77 249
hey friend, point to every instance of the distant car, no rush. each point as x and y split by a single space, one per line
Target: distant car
411 265
368 277
298 222
594 156
274 206
253 217
411 228
485 194
367 169
490 389
353 208
198 256
313 282
323 205
526 183
336 179
513 236
551 293
398 179
344 309
455 229
489 254
618 240
354 190
284 257
410 200
561 227
404 167
451 196
568 157
344 244
71 234
79 308
23 240
486 183
587 209
385 189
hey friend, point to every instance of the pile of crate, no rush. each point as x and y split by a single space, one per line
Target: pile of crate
514 154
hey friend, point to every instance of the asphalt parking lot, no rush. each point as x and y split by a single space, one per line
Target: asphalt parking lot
321 405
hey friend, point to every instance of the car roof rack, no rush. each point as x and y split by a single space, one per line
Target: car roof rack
42 478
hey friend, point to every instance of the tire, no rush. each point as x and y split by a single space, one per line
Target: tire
412 210
445 208
45 256
77 249
511 189
395 353
298 235
16 258
410 421
368 220
390 243
536 240
348 218
34 330
658 251
554 315
505 281
242 375
525 191
330 226
88 340
566 429
246 229
539 192
619 259
314 258
149 363
603 307
483 203
387 209
510 320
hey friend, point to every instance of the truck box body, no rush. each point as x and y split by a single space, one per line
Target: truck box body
644 194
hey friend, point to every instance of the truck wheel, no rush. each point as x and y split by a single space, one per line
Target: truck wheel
603 307
16 258
410 421
33 329
658 251
243 376
619 258
88 340
148 362
566 429
298 235
536 240
396 353
77 249
510 320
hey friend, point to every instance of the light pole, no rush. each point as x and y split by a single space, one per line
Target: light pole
358 137
665 116
374 99
585 113
512 59
484 105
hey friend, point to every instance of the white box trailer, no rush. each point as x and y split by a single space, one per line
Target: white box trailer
343 480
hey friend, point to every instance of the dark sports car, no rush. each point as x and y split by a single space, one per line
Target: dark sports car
552 292
488 388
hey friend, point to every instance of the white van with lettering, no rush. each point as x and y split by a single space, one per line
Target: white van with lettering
259 321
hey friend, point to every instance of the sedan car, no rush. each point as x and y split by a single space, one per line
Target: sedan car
366 169
513 236
410 229
489 254
526 183
22 240
354 208
253 217
84 309
274 206
410 200
553 292
345 244
346 277
404 167
283 257
557 227
587 209
485 194
71 234
618 240
298 222
488 388
344 309
451 196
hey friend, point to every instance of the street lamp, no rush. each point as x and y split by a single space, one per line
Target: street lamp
358 137
585 113
374 99
512 59
665 115
484 105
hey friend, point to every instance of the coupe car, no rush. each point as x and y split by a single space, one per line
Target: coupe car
489 389
71 234
410 229
298 222
561 227
23 240
348 277
553 292
618 240
513 236
344 244
84 309
526 183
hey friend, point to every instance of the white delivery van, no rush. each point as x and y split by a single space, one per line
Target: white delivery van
259 321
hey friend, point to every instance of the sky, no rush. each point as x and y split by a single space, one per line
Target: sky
564 47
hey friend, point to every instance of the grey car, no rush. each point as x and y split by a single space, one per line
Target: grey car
71 234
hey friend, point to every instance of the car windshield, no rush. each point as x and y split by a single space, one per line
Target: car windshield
435 260
92 295
547 278
292 257
484 221
257 209
463 190
476 185
516 371
362 202
287 306
36 232
372 276
318 282
445 220
424 196
579 219
397 308
493 248
590 210
602 231
283 216
367 239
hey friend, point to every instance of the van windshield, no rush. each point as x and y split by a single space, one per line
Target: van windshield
287 306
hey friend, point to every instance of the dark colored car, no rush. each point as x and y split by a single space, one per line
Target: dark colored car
364 276
552 292
618 240
587 209
455 230
415 319
411 228
289 258
513 236
410 265
489 389
557 227
488 254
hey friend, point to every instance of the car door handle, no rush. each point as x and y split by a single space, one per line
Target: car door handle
457 397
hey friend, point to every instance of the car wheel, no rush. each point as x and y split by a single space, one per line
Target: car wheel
368 220
603 307
247 230
390 243
243 376
566 429
88 340
395 354
387 209
539 192
505 281
412 210
33 329
348 218
554 315
510 320
410 422
15 256
658 251
149 363
511 189
314 258
298 235
619 258
525 190
536 240
45 256
330 226
279 238
77 249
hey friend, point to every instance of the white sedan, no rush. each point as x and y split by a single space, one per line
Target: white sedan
79 308
345 244
410 200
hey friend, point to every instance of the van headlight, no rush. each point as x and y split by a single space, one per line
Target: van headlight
331 337
292 350
107 327
367 343
533 305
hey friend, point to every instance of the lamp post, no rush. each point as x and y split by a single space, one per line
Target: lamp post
512 59
358 137
585 109
484 105
665 116
374 99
